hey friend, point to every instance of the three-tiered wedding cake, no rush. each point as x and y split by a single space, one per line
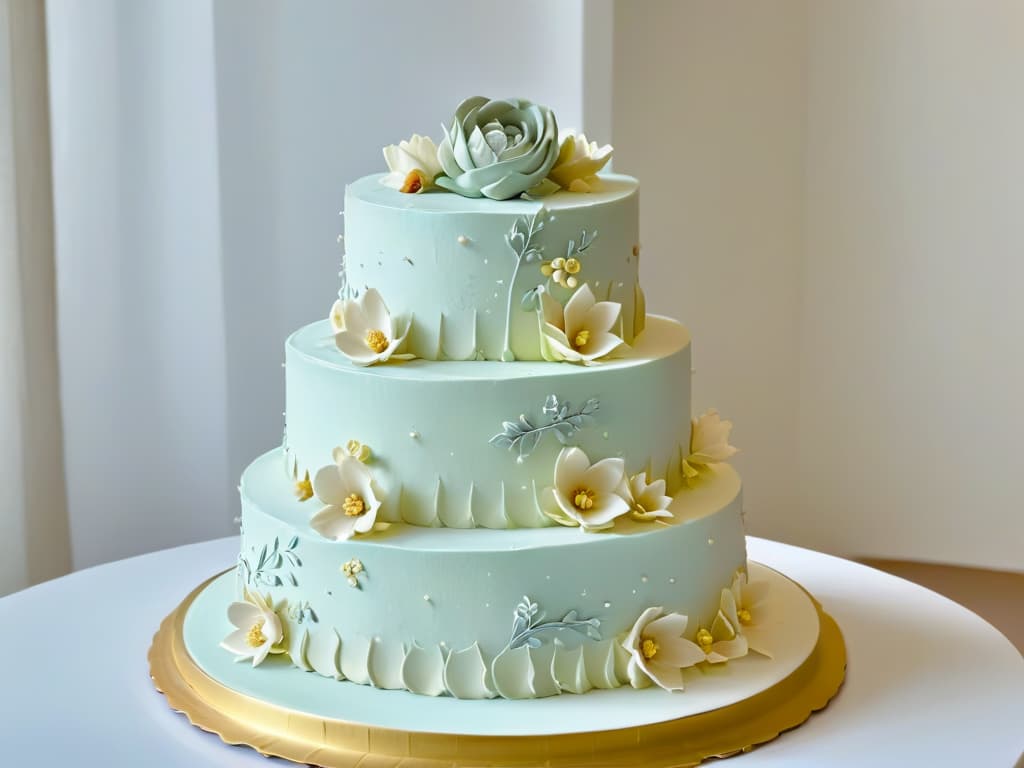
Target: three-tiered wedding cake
490 483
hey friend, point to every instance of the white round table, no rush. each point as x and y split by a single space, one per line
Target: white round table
928 682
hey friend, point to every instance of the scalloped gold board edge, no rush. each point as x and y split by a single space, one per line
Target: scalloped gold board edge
241 720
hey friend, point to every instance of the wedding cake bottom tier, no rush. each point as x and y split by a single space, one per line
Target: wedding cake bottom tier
284 712
479 613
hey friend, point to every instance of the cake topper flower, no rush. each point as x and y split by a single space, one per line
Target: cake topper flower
258 630
647 501
581 332
369 334
584 494
413 164
578 162
709 444
658 652
743 606
497 148
347 488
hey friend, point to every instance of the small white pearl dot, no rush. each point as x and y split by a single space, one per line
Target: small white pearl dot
519 459
414 435
340 238
462 239
621 284
487 605
672 580
607 604
711 541
451 453
583 593
426 598
523 487
548 578
634 591
488 574
643 579
485 261
605 435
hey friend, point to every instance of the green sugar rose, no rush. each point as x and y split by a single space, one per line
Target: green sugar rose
497 148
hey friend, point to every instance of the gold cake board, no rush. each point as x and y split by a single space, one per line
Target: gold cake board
303 738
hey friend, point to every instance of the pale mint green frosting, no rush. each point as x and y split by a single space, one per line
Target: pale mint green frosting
497 148
436 609
444 262
430 424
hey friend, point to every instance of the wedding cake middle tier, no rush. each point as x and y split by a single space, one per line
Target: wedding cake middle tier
475 443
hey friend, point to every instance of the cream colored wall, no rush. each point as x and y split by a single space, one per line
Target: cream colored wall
912 376
832 197
709 114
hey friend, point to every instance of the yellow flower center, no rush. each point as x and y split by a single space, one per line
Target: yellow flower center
705 640
354 505
376 340
583 498
413 182
648 648
338 320
256 638
572 266
304 488
744 616
581 338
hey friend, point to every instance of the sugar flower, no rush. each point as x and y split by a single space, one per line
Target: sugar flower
722 641
258 630
304 488
709 443
581 332
369 334
347 489
578 162
744 608
563 270
647 501
584 494
413 164
658 652
497 148
337 317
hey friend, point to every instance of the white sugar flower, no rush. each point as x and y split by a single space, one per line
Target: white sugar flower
369 334
578 162
647 501
743 606
658 651
722 641
585 494
258 629
413 164
709 443
347 489
337 317
581 332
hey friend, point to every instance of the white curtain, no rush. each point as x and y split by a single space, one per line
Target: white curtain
33 518
200 155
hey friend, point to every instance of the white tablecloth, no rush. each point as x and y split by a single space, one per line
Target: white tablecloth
928 683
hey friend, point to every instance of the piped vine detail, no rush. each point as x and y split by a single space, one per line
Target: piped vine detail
522 240
522 436
528 623
258 569
302 612
564 270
